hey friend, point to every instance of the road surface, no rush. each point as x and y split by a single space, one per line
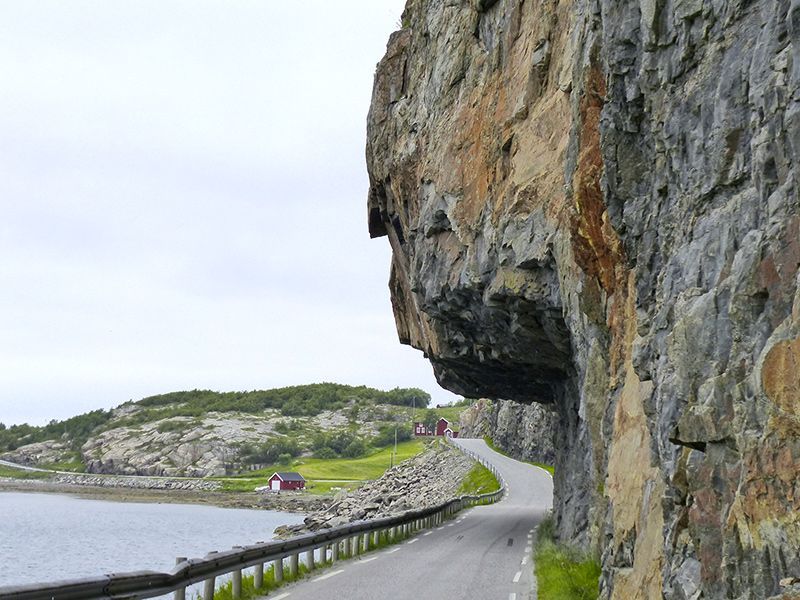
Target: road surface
483 554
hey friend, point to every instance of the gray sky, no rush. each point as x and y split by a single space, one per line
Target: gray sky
183 197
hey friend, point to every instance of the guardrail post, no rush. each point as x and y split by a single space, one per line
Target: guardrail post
310 559
277 568
294 564
180 593
209 585
258 576
335 551
236 584
354 545
208 589
365 542
376 539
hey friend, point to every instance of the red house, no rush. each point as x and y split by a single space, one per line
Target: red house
442 429
286 480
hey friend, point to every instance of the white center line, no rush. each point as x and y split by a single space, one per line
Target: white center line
284 595
412 541
327 575
363 560
524 560
512 596
440 528
528 549
517 576
392 551
427 533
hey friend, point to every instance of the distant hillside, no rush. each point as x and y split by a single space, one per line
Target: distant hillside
203 432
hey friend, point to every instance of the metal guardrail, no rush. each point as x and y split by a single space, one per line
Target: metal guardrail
346 540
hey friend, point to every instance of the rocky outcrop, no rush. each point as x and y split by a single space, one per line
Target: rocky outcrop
524 431
594 206
180 446
428 479
39 453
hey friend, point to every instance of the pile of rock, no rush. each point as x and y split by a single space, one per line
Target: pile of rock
141 483
428 479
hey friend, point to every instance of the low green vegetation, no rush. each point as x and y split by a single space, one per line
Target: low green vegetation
562 572
22 474
489 442
323 474
249 590
479 480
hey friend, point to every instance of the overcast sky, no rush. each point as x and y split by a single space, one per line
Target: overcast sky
183 197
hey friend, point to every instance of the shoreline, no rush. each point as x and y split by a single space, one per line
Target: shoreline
291 503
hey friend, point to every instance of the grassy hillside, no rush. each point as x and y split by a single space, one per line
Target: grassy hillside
294 401
327 431
323 474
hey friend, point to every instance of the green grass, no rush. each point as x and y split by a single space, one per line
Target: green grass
452 414
225 592
479 480
345 472
74 466
21 474
563 573
490 442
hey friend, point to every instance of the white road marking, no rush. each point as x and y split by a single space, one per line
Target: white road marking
363 560
440 528
528 549
284 595
517 576
524 560
450 524
327 575
392 551
412 541
427 533
512 596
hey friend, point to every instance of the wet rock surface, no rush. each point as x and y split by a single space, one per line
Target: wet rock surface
594 206
428 479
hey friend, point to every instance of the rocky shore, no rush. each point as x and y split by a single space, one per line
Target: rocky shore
163 491
428 479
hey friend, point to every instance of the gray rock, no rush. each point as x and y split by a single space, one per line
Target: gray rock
594 206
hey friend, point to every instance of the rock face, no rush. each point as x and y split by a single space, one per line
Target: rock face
428 479
524 431
181 446
39 453
594 206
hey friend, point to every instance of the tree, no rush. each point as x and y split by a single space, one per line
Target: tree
429 419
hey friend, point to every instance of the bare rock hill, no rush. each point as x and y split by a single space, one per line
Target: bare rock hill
593 205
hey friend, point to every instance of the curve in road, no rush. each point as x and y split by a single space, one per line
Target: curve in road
484 554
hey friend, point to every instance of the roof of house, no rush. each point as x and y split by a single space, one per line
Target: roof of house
288 476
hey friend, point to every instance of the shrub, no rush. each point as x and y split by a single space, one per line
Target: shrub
563 572
355 449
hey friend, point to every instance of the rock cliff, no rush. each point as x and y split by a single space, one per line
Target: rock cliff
593 205
524 431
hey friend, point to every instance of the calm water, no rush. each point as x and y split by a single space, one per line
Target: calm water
50 537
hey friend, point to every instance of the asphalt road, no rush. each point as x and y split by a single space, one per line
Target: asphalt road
484 554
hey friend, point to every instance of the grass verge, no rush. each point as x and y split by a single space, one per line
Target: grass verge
563 573
490 442
249 590
22 474
479 480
